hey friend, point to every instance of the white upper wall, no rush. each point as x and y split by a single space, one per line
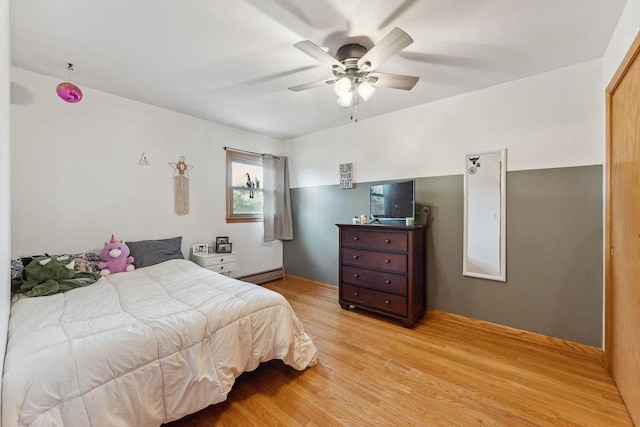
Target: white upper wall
91 149
75 177
555 119
624 34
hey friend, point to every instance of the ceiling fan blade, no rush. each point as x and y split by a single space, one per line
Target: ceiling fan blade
311 85
393 81
390 44
318 54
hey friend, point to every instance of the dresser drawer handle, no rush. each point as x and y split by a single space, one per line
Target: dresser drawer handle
387 241
386 261
356 294
387 281
221 259
355 257
222 267
356 275
387 301
356 238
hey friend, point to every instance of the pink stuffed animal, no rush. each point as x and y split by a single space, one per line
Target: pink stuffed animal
116 258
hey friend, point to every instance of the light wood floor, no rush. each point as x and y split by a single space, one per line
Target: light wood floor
444 372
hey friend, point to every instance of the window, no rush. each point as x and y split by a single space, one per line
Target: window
244 187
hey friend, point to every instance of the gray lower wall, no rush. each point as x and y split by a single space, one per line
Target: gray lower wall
554 249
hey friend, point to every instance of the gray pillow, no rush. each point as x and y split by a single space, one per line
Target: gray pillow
151 252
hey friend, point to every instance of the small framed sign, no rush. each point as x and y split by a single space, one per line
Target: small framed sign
200 248
346 176
223 248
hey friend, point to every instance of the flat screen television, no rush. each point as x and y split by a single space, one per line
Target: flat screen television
392 201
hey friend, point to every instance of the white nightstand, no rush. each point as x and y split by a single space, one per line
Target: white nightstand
221 263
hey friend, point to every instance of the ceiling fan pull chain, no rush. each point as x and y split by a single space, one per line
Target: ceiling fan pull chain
354 107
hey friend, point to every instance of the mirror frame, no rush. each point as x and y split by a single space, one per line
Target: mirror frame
502 276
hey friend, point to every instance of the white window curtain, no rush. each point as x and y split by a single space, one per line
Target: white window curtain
277 199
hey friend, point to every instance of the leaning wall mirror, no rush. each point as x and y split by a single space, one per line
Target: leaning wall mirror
485 215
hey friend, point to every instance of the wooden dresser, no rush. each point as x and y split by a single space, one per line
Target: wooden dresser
382 269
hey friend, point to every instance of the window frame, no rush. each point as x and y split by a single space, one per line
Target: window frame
245 158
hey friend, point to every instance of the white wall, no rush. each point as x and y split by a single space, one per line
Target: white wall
555 119
5 193
624 34
75 177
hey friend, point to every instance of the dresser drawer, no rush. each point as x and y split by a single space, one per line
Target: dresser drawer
208 260
378 240
385 282
383 301
224 267
378 260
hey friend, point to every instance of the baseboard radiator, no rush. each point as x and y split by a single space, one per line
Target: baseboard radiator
264 277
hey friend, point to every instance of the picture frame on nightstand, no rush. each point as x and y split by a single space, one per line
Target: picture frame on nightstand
223 248
224 239
200 248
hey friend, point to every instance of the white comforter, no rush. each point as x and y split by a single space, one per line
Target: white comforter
142 348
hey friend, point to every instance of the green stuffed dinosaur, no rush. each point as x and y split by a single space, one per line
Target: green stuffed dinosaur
50 275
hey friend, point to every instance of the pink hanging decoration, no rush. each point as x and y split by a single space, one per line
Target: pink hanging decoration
69 92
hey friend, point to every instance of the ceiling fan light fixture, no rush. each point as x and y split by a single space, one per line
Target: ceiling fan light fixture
346 99
353 68
343 86
366 91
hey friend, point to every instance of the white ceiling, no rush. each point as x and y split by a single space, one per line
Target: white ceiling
231 61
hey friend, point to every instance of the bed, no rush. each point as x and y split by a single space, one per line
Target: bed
142 348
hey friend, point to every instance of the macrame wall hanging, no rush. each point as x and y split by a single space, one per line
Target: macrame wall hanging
181 186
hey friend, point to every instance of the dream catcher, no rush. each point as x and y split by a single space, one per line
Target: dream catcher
181 186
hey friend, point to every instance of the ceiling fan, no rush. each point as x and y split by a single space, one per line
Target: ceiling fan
354 68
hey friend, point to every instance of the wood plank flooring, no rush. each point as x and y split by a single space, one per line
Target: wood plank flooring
444 372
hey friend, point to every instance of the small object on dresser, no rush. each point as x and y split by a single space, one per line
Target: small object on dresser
409 221
200 248
422 217
223 239
223 248
364 219
356 220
